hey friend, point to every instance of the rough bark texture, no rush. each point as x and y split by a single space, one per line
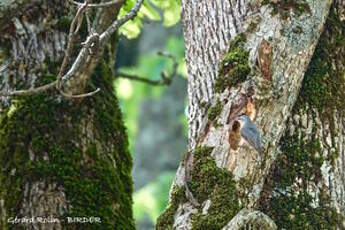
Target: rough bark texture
59 158
306 185
252 55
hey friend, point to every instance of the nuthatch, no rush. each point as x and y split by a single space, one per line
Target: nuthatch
251 133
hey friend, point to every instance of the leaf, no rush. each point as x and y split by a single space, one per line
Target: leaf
150 12
132 28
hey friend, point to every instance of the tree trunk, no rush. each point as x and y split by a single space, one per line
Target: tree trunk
253 58
60 158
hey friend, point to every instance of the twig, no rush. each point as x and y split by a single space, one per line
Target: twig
93 39
92 43
165 78
29 92
98 5
116 24
88 21
71 34
73 70
80 95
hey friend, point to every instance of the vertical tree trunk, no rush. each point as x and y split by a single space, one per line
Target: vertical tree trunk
250 57
59 158
306 186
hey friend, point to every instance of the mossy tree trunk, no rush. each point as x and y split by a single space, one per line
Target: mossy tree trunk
282 64
60 158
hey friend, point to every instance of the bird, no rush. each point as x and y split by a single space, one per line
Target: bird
251 133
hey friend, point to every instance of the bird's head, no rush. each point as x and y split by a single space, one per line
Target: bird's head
243 118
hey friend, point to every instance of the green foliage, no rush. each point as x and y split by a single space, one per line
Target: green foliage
234 67
151 10
132 93
171 11
153 198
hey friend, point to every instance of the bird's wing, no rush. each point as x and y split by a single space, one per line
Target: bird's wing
252 135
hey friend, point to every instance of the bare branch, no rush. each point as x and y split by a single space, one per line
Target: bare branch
165 78
71 34
88 23
29 92
116 24
80 95
91 41
80 60
98 5
90 47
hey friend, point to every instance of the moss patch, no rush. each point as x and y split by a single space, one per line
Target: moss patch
208 182
97 181
212 182
166 220
234 68
283 7
294 209
214 112
322 90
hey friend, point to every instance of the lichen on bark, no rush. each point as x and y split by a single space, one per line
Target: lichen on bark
306 151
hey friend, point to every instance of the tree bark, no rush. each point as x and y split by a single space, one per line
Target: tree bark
60 158
250 57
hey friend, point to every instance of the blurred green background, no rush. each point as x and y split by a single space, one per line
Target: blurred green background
154 115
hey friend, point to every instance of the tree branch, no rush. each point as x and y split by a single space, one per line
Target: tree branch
28 92
90 47
98 5
165 79
116 24
72 32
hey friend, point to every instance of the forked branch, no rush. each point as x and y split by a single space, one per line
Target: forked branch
92 41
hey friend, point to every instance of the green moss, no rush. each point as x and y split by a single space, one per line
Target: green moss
322 91
324 85
283 7
216 184
252 26
63 24
294 209
208 182
215 111
166 219
234 68
97 180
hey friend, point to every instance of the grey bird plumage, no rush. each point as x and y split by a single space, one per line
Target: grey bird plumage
251 133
